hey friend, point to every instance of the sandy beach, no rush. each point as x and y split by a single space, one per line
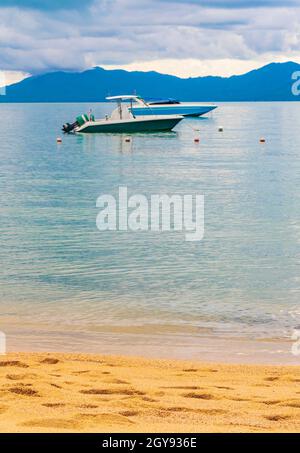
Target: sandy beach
90 393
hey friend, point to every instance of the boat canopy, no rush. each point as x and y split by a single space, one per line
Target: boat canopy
124 97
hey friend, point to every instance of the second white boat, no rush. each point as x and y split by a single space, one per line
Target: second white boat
170 107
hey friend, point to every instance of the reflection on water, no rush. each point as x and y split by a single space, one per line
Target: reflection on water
60 274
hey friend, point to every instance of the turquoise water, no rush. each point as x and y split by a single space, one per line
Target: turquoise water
67 286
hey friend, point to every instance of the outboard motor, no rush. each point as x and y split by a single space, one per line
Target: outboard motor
67 128
80 121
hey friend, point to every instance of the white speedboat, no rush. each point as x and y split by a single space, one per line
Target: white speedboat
123 120
170 107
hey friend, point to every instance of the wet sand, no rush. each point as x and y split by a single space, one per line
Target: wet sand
90 393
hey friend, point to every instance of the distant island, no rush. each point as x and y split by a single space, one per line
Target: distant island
272 82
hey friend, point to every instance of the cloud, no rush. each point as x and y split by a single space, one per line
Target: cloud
126 32
10 77
191 67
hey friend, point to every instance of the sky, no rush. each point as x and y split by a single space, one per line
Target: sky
186 38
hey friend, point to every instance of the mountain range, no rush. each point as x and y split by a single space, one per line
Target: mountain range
272 82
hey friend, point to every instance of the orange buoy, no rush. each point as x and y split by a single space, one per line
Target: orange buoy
262 140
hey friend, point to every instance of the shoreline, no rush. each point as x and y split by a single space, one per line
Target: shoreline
59 392
203 347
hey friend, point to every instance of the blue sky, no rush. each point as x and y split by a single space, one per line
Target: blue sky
183 37
45 5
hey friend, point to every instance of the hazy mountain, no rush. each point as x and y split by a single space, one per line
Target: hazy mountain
269 83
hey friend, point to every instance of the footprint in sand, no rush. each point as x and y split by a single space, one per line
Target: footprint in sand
271 402
24 391
20 377
56 386
53 405
50 361
201 396
88 406
78 373
198 411
223 388
179 409
111 392
13 363
149 400
295 405
211 411
277 418
129 413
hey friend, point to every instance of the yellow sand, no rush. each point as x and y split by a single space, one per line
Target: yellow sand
88 393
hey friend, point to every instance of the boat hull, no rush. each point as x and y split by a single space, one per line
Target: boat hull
176 109
131 126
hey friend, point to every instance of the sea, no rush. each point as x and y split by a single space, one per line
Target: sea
233 296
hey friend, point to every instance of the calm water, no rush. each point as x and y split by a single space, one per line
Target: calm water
66 286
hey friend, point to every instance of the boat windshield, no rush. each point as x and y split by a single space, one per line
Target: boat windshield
164 102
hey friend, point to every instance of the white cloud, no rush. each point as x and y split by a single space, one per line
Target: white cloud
194 68
180 37
10 77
